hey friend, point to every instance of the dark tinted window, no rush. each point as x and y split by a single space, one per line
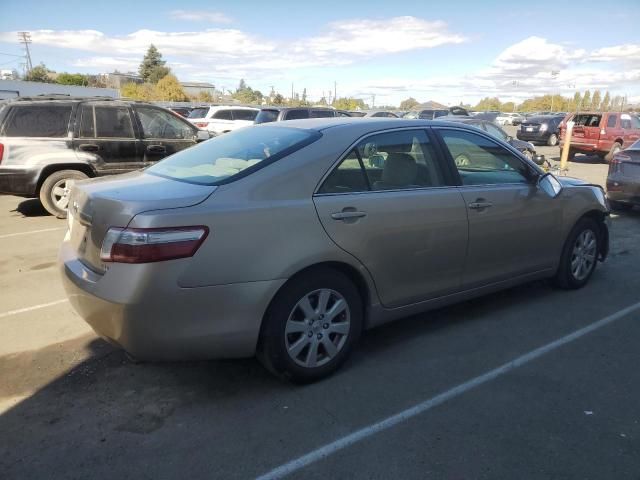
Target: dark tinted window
199 112
158 123
296 114
358 114
38 121
612 121
241 114
106 122
222 115
266 116
322 113
481 161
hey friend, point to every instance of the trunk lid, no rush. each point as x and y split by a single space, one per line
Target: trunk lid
97 205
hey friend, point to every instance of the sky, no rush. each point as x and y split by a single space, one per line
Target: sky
448 51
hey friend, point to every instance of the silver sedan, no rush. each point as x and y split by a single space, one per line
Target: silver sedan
287 241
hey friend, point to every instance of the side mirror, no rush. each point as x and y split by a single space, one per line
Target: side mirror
203 135
539 159
550 185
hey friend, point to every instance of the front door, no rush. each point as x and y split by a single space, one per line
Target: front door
106 138
514 227
390 204
163 133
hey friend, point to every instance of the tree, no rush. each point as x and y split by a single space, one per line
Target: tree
169 89
616 104
349 103
596 100
158 73
39 73
278 99
245 94
577 101
409 103
304 101
586 100
508 107
72 79
151 60
204 97
138 91
488 103
604 106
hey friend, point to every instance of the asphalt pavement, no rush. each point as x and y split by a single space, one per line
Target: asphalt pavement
72 406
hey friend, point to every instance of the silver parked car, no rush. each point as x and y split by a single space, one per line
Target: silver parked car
287 240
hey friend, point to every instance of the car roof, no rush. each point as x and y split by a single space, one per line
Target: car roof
363 123
281 109
235 107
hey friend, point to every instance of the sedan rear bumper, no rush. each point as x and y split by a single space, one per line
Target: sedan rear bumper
160 323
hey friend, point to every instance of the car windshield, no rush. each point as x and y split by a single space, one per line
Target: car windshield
199 112
227 155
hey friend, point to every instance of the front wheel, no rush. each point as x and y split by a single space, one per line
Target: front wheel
311 326
579 255
54 192
615 148
552 141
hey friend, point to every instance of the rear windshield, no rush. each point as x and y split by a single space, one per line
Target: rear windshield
267 116
223 157
539 119
587 120
38 121
199 113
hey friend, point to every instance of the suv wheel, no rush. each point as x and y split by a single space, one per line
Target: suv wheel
311 326
615 148
553 140
54 192
579 255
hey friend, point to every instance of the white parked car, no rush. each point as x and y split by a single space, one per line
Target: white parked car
509 119
222 119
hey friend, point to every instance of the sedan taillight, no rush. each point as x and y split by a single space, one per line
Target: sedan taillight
1 152
201 124
146 245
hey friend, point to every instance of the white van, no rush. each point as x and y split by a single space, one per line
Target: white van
222 119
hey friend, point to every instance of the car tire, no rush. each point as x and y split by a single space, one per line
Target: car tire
615 148
54 190
572 153
579 255
304 347
552 141
620 206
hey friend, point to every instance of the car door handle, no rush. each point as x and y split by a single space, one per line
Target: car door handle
348 214
89 147
157 149
479 205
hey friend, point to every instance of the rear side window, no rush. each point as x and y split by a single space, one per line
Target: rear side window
198 113
587 120
222 115
322 113
297 114
625 121
105 122
612 121
249 115
387 161
38 121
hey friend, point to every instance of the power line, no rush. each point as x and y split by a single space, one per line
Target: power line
11 55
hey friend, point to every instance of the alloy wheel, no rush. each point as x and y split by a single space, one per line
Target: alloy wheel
317 328
60 193
583 256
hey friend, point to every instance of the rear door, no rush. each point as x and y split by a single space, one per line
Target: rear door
514 227
296 114
163 133
391 205
630 126
107 138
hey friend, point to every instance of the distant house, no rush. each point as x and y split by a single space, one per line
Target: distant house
118 80
193 89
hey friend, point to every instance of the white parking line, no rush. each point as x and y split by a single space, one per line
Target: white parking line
7 235
363 433
29 309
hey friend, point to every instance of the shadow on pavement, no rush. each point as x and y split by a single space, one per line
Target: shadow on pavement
31 208
588 159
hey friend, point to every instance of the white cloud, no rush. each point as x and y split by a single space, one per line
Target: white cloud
200 16
628 52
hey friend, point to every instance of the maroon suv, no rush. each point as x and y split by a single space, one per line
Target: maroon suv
601 133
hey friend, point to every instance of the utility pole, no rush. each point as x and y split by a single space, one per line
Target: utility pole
292 92
554 75
335 91
373 100
25 38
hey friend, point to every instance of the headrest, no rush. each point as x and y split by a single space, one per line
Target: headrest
400 169
396 147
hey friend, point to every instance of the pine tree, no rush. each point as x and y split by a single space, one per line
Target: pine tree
577 101
586 100
606 102
596 100
151 61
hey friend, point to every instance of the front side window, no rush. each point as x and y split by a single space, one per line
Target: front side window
322 113
105 122
387 161
157 123
222 115
38 121
297 114
481 161
215 160
242 114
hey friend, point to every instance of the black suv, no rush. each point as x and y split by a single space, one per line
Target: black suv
278 114
47 142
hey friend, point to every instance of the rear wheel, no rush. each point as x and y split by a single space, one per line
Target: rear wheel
311 326
552 141
54 192
615 148
579 255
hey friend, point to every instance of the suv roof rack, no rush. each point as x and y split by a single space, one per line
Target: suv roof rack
60 96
